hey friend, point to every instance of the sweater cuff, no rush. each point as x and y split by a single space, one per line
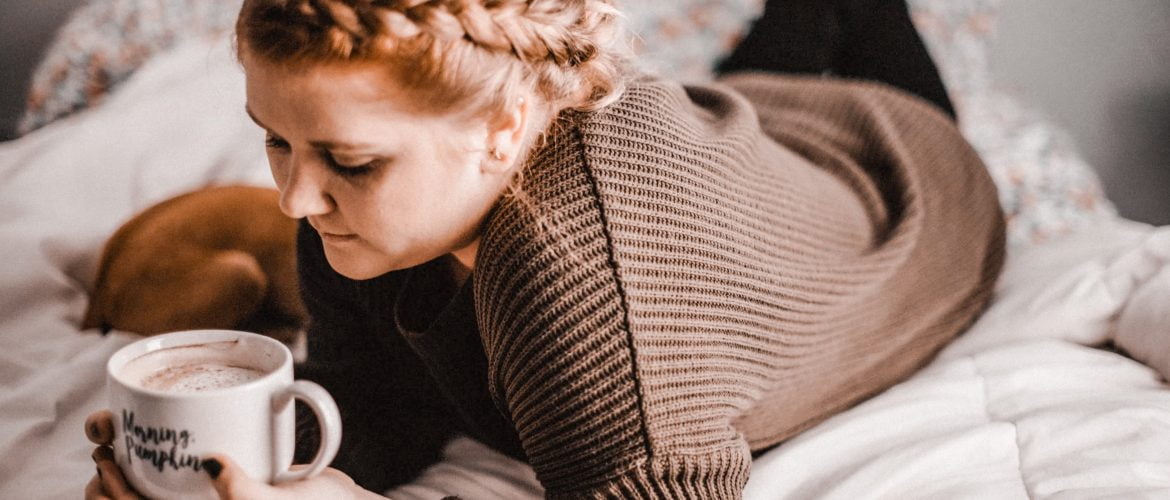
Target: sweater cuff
717 475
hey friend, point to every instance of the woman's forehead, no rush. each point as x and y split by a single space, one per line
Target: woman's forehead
355 80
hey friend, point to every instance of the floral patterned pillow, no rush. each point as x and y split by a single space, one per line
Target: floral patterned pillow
1046 188
683 39
104 41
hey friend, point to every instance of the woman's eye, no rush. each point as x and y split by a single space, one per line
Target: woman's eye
354 171
347 170
273 142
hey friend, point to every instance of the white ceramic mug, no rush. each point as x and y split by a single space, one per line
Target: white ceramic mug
162 434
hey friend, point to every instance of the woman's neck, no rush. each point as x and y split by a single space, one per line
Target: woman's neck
462 261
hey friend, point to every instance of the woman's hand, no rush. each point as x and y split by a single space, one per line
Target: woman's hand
233 483
109 483
229 479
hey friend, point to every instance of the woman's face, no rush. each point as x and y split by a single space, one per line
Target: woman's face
385 187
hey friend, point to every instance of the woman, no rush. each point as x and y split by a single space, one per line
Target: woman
630 284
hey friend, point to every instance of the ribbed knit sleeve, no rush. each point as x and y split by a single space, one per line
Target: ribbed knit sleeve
695 273
561 362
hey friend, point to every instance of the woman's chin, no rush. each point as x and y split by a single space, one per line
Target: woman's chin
357 268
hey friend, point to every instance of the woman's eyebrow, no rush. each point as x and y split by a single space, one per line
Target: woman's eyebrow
323 144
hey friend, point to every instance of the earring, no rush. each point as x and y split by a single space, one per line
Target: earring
496 154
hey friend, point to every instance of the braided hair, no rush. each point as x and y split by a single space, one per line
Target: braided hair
454 54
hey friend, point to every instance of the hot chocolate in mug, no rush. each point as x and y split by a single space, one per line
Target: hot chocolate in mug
179 397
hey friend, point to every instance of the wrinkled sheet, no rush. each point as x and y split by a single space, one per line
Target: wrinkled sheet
1022 405
1025 404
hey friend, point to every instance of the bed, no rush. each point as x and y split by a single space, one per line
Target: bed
140 100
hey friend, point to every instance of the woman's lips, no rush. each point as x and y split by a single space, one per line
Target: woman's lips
333 237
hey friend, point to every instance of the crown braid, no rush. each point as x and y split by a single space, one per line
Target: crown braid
569 50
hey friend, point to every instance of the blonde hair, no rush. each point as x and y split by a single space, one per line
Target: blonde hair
472 55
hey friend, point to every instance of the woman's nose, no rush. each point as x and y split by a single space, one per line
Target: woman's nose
303 192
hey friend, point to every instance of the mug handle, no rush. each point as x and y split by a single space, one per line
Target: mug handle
328 420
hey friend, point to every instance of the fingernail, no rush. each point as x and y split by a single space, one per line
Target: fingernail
213 467
102 453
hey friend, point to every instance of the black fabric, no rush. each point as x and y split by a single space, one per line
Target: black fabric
866 39
439 324
395 421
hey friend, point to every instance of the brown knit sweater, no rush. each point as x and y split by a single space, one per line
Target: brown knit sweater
691 275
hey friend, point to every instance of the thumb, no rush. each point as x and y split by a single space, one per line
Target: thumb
232 482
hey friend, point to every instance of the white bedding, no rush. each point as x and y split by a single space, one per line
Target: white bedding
1021 406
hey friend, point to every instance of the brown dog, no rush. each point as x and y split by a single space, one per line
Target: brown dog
219 257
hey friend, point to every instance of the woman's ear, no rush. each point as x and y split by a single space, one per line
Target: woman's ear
507 132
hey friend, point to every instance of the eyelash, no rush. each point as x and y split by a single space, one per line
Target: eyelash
272 142
348 170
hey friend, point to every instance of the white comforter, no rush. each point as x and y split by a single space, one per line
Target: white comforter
1021 406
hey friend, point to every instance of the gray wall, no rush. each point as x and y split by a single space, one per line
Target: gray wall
1101 70
26 28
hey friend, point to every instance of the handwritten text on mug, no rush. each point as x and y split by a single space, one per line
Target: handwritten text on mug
161 446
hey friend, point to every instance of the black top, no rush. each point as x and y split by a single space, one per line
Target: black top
398 408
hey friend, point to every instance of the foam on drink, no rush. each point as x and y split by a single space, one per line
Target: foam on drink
199 377
196 368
